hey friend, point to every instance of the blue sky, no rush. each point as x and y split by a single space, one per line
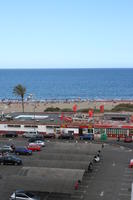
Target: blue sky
66 33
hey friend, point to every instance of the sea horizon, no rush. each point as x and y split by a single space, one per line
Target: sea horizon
62 68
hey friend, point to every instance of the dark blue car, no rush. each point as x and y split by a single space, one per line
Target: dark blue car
89 136
9 159
23 151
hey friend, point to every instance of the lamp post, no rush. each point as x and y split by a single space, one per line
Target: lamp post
34 114
34 108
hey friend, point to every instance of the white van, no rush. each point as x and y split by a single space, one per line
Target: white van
30 134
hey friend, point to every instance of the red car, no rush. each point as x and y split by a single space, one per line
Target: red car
128 139
131 163
34 147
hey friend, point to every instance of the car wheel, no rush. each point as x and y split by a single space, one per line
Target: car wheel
18 163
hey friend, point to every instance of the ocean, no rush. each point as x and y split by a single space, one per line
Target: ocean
68 83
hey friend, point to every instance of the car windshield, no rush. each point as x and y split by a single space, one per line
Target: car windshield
13 157
21 148
29 194
6 146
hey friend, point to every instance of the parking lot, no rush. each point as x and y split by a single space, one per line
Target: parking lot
110 179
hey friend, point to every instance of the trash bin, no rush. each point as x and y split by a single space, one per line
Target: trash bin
103 136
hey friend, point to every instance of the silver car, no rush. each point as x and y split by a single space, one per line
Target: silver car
30 134
6 148
23 195
38 142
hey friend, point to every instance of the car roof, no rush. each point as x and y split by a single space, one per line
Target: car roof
19 191
20 147
33 145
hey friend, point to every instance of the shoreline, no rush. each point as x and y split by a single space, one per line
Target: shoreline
65 100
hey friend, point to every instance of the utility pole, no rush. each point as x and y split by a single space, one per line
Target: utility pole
34 115
34 108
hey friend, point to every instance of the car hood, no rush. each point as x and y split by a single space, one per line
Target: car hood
19 159
34 198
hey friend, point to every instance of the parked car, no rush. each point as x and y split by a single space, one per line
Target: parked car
66 136
128 139
10 134
37 137
6 148
9 159
131 163
49 135
38 142
87 137
34 147
23 151
30 134
23 195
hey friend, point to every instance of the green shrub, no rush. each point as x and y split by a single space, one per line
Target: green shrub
52 109
123 107
66 110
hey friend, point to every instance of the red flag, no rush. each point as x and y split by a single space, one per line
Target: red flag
74 108
102 108
62 117
90 112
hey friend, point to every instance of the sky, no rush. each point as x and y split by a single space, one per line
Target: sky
66 33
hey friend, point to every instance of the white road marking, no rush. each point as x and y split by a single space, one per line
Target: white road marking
122 148
102 194
132 192
129 172
127 175
125 189
125 184
124 194
113 164
128 180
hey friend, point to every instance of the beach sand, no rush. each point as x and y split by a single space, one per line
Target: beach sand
7 107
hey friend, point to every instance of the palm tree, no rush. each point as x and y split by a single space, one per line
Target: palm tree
20 90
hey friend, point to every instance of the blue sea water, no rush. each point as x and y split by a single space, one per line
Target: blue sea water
69 83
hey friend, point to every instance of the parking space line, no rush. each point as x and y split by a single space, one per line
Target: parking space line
128 171
124 194
125 179
76 197
84 186
128 175
125 189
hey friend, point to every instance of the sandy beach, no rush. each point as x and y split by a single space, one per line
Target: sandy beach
11 106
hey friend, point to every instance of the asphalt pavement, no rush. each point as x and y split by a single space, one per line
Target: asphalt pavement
110 180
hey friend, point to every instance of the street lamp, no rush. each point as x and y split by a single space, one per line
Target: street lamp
34 107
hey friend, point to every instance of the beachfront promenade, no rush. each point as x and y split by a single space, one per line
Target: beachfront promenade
39 106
